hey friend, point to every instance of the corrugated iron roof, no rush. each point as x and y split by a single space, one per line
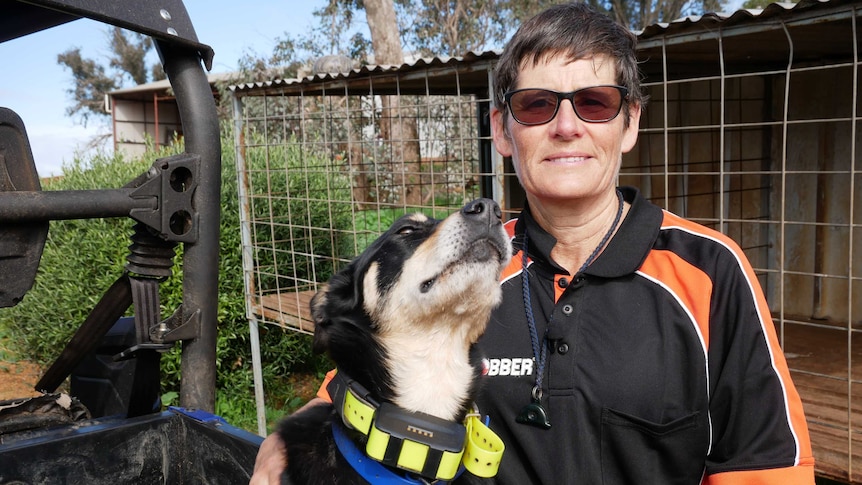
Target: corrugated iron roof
698 34
742 17
144 91
422 63
782 35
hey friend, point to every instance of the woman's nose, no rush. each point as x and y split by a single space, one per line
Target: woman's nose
566 123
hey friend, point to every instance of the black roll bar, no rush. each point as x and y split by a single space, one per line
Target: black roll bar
182 56
200 259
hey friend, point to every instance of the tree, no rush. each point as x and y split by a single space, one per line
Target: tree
446 27
761 3
396 125
127 63
283 62
453 27
638 15
129 55
91 83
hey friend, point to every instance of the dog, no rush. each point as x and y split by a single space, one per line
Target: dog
399 322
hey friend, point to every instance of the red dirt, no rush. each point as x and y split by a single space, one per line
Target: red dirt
17 379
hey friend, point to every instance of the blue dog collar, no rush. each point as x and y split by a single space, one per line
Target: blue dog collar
369 469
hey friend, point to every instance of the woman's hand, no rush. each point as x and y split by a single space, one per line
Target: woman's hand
271 461
271 458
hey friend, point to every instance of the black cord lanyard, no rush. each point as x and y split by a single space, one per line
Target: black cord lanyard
534 414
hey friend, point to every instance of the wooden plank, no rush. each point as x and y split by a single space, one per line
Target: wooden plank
289 309
823 369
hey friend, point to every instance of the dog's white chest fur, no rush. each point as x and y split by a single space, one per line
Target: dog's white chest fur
433 376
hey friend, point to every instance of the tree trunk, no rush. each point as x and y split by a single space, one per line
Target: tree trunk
383 25
397 126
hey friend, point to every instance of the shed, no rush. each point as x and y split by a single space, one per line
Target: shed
148 113
751 128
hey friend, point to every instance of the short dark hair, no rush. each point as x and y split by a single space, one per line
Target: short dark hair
574 30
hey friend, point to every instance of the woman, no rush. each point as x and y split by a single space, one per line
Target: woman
651 356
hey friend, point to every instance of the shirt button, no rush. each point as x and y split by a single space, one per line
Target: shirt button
562 348
563 282
567 309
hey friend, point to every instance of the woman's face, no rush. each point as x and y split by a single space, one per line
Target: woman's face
566 158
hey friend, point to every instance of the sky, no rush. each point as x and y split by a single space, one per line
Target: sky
36 87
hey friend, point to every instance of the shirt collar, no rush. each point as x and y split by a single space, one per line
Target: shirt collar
625 252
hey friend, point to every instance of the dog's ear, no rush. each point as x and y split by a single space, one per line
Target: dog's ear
338 304
320 342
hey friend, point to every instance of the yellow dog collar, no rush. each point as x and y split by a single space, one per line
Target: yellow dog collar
417 442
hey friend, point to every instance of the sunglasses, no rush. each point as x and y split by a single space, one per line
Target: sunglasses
596 104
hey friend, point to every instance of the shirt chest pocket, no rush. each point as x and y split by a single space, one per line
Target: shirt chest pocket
637 451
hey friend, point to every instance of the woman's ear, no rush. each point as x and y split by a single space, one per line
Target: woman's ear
502 138
630 135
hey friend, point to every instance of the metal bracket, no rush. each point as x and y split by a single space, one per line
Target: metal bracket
171 329
132 351
165 334
173 185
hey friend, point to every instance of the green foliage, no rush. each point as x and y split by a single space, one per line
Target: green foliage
300 203
82 258
761 3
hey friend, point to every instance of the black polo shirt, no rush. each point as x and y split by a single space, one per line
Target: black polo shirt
663 364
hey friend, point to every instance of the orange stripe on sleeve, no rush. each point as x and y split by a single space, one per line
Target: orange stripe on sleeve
692 286
796 416
797 475
322 393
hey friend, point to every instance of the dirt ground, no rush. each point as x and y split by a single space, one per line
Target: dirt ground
17 377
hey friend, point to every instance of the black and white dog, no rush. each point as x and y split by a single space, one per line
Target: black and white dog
400 322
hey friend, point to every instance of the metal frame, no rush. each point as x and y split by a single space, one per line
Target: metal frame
182 57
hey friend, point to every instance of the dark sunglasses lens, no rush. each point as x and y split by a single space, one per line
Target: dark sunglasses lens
533 106
601 103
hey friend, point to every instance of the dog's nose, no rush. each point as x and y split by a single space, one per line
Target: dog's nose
483 208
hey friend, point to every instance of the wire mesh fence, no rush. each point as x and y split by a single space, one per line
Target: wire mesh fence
325 172
753 130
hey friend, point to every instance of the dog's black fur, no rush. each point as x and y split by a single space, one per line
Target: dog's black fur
401 320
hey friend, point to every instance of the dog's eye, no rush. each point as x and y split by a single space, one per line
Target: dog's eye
426 286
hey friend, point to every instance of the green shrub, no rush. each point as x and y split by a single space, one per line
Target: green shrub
82 258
